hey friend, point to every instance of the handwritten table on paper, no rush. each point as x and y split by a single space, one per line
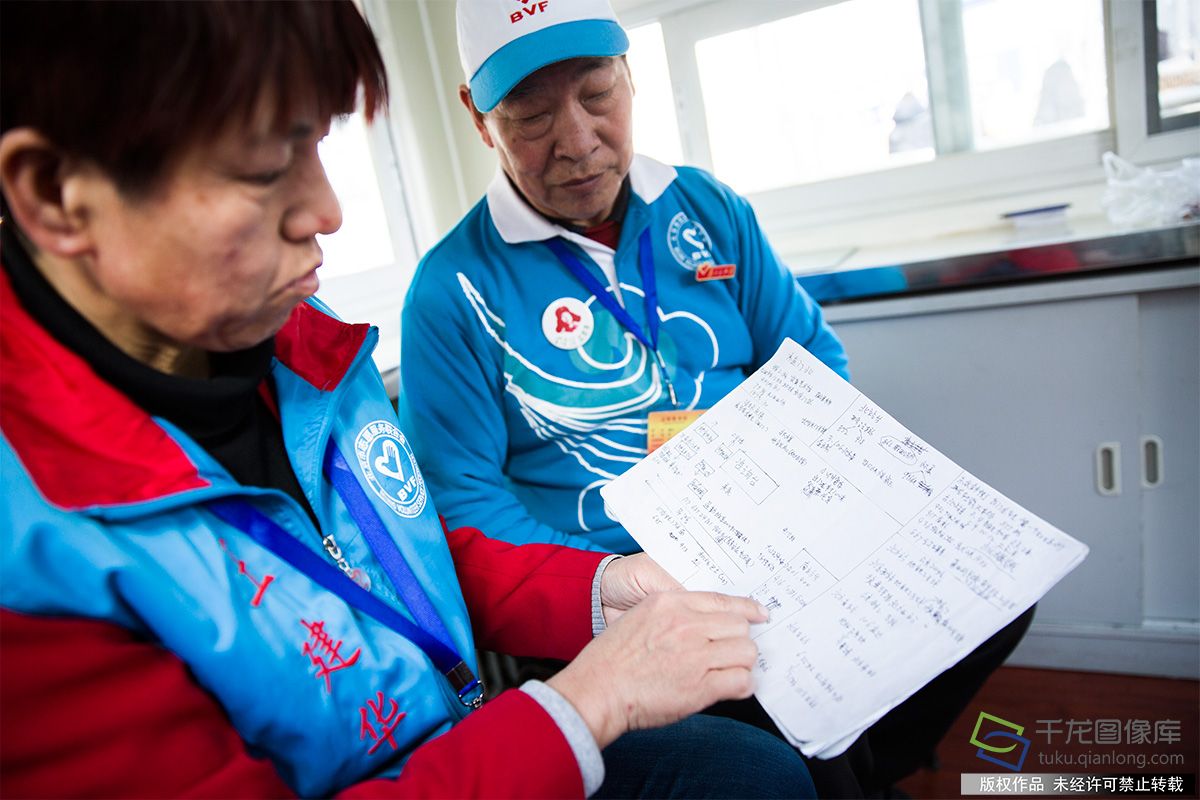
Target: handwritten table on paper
881 560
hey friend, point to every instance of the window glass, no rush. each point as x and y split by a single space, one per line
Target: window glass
655 126
835 91
1178 57
363 242
1036 69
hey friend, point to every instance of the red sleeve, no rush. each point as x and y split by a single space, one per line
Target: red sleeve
479 757
89 710
527 600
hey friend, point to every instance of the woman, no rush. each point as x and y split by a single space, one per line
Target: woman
222 572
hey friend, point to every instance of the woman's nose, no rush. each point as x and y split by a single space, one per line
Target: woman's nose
316 209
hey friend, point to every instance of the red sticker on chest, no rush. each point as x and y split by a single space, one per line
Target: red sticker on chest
715 272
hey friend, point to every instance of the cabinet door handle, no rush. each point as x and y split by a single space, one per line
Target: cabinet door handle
1152 462
1108 468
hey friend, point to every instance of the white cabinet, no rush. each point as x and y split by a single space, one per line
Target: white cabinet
1021 385
1170 382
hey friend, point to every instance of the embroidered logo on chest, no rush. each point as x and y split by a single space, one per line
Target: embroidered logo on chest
390 468
689 242
567 323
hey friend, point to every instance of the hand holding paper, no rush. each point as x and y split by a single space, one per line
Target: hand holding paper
882 561
629 580
671 655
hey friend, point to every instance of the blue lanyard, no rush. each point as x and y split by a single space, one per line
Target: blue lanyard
609 301
429 633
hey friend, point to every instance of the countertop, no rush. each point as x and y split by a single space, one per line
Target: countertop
1058 254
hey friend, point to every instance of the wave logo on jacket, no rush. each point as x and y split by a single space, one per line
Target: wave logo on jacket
600 424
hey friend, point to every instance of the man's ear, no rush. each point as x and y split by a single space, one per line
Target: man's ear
32 174
464 96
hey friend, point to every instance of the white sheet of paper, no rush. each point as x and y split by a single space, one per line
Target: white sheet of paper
881 560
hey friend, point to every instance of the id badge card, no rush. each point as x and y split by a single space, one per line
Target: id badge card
662 425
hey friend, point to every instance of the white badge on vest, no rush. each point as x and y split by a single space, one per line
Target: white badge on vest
567 323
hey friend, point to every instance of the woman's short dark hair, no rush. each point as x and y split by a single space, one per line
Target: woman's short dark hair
132 85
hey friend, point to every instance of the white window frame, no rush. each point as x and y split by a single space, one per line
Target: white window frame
377 295
952 179
1130 84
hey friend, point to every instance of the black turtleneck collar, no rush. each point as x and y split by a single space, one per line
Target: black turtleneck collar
224 413
202 407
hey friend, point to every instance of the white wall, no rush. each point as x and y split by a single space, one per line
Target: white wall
446 164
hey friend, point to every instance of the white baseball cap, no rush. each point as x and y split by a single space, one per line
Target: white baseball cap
501 42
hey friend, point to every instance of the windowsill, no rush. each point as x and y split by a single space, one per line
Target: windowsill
990 240
946 227
945 231
992 258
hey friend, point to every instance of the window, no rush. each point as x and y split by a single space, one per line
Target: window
831 106
655 126
363 242
1172 32
831 110
1035 70
369 261
1156 83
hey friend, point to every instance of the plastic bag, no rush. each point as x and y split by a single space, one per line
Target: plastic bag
1140 197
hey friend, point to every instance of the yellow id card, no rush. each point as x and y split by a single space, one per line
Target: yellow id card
662 425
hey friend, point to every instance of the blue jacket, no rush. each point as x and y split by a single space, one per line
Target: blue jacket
103 517
531 396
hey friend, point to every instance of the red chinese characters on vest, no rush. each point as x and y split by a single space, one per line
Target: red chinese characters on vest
387 722
326 654
261 586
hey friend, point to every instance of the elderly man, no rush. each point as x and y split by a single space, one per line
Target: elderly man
589 288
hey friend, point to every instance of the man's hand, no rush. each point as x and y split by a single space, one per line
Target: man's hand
673 654
628 581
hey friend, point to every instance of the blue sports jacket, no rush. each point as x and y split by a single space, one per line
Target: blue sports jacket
531 395
104 517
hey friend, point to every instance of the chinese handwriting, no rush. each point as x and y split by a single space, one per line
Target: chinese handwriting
325 653
387 722
260 585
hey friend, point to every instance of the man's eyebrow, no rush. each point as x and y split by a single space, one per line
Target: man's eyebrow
528 87
591 65
521 90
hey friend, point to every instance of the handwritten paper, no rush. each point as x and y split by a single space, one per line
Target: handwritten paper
881 561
